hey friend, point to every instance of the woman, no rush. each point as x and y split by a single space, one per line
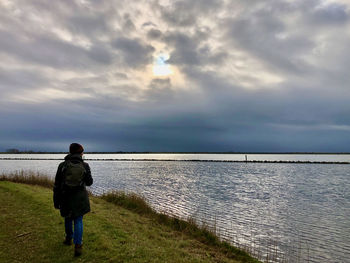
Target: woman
70 195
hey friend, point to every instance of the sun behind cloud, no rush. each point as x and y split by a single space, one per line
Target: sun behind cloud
160 67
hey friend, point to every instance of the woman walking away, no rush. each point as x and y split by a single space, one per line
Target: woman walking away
70 195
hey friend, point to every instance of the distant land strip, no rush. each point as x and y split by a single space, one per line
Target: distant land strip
172 160
149 152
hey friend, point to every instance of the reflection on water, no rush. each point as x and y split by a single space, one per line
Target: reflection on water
296 208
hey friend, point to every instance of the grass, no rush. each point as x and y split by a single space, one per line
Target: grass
120 228
28 177
203 233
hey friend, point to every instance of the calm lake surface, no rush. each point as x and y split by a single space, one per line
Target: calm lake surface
302 210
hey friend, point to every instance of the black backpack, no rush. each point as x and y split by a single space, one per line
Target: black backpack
73 173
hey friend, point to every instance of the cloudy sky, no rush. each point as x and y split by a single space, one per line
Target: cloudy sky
189 75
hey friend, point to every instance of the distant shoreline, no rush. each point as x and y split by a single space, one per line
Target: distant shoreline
315 153
172 160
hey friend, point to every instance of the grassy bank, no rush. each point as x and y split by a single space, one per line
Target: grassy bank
120 228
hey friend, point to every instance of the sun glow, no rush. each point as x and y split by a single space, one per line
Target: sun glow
160 66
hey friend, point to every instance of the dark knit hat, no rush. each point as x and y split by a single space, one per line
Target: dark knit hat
76 148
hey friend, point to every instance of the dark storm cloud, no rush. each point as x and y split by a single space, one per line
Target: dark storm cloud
185 49
100 54
188 50
154 33
134 52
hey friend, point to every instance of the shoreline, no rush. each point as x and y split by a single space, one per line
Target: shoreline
148 152
172 160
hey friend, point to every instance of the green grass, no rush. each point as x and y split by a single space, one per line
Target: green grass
204 233
32 231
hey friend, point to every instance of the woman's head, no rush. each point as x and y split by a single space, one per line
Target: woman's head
76 148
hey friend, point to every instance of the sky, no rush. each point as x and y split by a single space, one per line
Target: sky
183 76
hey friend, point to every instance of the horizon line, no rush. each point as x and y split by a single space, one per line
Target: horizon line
169 152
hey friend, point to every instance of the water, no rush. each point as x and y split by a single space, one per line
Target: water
298 209
200 157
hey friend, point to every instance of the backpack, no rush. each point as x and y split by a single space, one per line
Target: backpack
73 173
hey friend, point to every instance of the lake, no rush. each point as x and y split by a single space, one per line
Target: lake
302 211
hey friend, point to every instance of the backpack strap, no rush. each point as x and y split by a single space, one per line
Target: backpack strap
64 168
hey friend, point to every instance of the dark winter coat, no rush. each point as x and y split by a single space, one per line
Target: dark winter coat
72 202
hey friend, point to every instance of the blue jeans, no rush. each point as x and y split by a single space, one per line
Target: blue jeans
78 229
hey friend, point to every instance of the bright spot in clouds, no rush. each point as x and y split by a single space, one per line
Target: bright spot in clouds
160 66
